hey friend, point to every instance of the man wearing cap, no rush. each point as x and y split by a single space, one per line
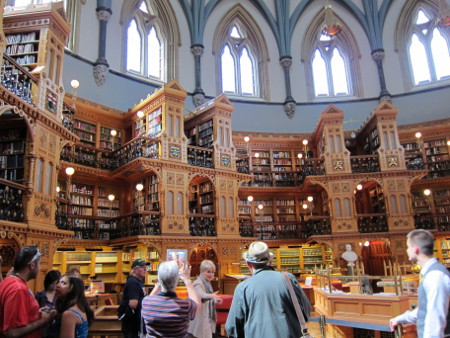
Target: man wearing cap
133 292
262 305
20 315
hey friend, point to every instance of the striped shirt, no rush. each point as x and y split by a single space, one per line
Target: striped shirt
166 315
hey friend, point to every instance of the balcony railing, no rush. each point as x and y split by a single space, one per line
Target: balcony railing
372 223
415 162
17 79
443 222
11 201
200 157
317 225
202 225
438 169
364 164
142 223
424 221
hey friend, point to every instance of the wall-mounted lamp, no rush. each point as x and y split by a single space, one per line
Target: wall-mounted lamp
140 114
366 243
74 84
58 189
427 194
448 143
359 187
250 198
305 147
111 199
247 140
69 172
418 136
308 204
139 187
113 132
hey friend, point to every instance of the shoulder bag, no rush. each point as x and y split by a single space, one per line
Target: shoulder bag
298 311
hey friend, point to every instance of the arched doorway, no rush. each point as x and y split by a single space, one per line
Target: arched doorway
201 207
375 255
370 207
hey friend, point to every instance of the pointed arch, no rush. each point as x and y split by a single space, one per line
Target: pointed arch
252 41
162 18
347 46
414 40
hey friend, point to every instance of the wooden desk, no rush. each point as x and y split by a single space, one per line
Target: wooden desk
373 309
106 323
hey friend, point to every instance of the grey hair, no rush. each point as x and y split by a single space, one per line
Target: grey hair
206 265
168 275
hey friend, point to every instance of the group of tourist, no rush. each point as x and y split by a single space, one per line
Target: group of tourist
60 310
261 306
269 304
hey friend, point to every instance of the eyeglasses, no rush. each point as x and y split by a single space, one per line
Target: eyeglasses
36 256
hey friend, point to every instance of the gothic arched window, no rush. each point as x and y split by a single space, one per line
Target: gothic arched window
423 46
428 49
241 55
331 62
145 44
239 66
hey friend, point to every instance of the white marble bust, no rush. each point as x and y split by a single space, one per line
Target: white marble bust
349 255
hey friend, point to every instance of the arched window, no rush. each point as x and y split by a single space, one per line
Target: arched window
337 207
331 62
239 66
422 44
151 37
403 208
428 49
241 55
230 207
145 46
394 208
180 203
222 206
48 178
169 203
347 207
39 174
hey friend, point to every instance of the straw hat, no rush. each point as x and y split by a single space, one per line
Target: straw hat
258 252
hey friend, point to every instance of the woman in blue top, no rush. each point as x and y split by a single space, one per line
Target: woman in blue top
74 313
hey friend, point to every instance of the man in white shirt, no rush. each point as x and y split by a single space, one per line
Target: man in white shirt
432 314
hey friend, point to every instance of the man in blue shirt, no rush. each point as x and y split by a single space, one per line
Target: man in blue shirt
133 293
432 314
262 305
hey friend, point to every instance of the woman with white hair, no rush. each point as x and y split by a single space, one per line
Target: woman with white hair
204 325
164 314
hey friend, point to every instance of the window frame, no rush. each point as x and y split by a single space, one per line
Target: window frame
349 50
405 28
254 41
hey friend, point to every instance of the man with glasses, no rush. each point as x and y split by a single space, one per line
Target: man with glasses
20 315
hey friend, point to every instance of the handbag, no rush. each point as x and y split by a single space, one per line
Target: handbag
298 311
